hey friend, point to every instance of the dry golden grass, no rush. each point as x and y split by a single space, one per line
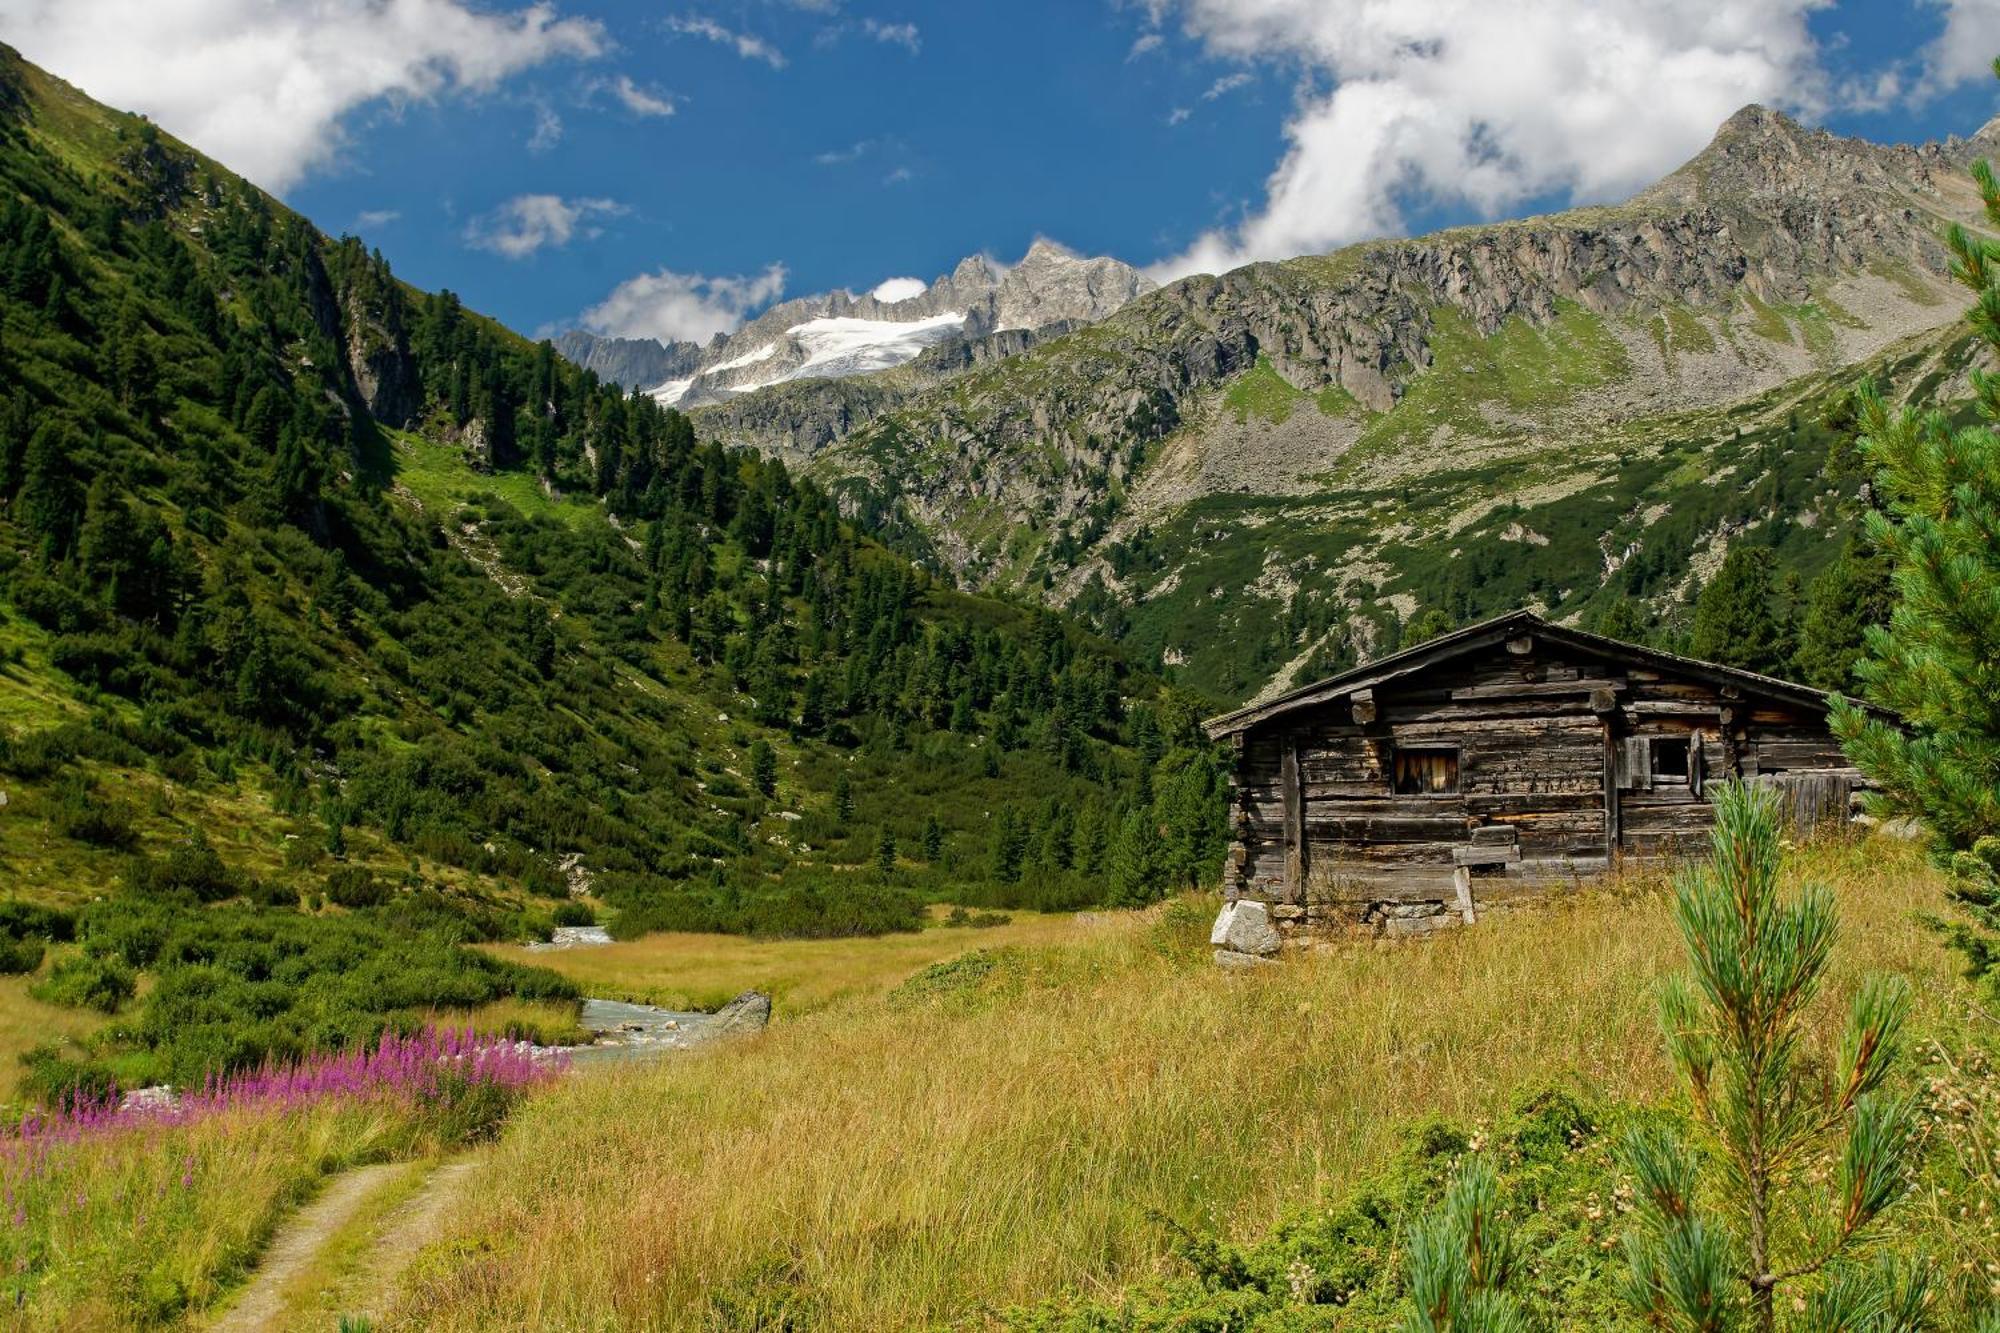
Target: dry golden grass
26 1023
903 1166
681 970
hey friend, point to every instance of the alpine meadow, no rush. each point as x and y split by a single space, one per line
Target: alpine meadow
1442 782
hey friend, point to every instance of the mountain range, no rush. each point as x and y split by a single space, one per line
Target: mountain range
1248 474
838 334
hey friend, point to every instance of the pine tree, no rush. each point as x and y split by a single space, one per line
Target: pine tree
764 767
1426 625
1134 873
1851 594
885 851
1735 618
1735 1029
843 799
933 839
1625 619
1936 665
1460 1259
50 505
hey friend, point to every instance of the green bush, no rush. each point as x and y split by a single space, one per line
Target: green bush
53 1079
23 920
82 813
193 867
575 914
87 981
18 955
356 886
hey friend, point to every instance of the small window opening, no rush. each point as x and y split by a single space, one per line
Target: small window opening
1426 772
1670 759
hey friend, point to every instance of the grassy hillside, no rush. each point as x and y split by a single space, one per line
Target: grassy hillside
342 627
1110 1133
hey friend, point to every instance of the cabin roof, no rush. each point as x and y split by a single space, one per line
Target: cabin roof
1499 629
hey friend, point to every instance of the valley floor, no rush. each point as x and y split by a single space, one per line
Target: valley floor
1034 1126
1040 1120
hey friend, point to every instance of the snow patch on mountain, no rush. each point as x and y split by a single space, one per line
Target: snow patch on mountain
840 334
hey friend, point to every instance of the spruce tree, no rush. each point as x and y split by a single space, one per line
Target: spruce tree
764 767
1936 665
843 800
1736 619
1850 595
1427 625
1135 874
1770 1118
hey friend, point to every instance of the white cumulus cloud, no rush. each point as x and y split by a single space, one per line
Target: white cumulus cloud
690 306
1964 51
899 289
531 222
1485 104
265 86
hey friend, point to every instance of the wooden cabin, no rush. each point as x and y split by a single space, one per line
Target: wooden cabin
1505 756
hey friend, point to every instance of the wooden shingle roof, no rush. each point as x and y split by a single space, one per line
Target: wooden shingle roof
1499 629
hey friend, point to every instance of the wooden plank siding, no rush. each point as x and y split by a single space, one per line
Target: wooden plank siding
1554 760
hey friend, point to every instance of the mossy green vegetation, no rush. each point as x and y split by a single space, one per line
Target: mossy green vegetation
1261 392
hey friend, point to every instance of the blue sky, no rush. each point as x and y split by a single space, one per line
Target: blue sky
537 160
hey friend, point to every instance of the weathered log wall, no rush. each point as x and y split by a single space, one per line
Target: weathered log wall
1556 776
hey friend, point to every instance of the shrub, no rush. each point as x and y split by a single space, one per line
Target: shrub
53 1079
273 894
18 956
356 886
81 813
23 920
193 867
575 914
87 981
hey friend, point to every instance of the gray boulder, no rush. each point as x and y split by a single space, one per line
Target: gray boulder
1244 926
1231 961
748 1012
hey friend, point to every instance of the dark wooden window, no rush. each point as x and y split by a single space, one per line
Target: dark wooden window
1426 772
1670 761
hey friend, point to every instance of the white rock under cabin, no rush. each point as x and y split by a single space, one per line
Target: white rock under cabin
1493 761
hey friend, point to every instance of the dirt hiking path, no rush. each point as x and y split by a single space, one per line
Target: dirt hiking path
343 1253
298 1242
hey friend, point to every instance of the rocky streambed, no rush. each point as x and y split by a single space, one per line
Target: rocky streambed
641 1031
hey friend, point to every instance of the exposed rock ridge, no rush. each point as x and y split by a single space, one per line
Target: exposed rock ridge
1770 212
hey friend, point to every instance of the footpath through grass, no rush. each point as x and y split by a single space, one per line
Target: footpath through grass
1036 1123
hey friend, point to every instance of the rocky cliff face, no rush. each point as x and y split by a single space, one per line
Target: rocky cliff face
1779 255
631 363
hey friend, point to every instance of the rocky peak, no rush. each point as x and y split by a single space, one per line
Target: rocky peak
840 334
